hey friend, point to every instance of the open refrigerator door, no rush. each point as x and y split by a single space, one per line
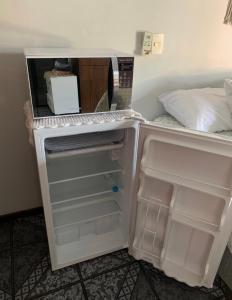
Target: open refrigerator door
182 215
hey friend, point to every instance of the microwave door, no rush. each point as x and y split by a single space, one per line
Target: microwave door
93 74
120 83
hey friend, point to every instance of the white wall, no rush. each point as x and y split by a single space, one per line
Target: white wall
197 49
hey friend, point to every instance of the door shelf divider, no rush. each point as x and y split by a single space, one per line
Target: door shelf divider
180 258
154 201
187 182
199 209
153 189
195 223
150 231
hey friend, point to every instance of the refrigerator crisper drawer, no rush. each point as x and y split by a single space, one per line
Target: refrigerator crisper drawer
92 218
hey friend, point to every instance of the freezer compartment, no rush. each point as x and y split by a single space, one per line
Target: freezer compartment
181 162
64 144
150 228
186 253
94 217
204 210
153 189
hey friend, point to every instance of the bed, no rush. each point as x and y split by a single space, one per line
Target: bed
170 121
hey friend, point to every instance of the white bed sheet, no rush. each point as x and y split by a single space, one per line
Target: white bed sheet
168 120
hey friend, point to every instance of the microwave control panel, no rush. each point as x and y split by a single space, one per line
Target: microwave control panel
125 67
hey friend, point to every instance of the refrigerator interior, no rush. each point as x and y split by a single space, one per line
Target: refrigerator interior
89 187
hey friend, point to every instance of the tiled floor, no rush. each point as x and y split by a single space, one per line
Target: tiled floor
25 272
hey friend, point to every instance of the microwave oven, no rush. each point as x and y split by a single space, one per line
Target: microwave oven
78 81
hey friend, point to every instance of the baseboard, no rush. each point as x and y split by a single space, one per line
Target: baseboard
23 213
225 269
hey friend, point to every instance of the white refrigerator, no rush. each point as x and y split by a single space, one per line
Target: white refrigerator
111 180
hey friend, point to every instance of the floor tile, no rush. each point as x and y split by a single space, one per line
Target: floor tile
135 286
26 262
33 279
101 264
5 274
4 296
5 233
70 293
106 286
113 276
142 290
220 290
28 230
170 289
53 280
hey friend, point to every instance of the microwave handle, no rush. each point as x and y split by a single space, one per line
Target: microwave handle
115 83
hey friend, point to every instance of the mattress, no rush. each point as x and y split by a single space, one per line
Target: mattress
168 120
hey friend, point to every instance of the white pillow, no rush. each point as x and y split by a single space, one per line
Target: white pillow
228 91
199 109
228 87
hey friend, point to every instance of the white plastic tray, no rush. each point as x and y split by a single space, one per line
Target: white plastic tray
154 189
186 253
203 209
188 163
150 227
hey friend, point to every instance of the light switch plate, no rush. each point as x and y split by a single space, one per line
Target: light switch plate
157 43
